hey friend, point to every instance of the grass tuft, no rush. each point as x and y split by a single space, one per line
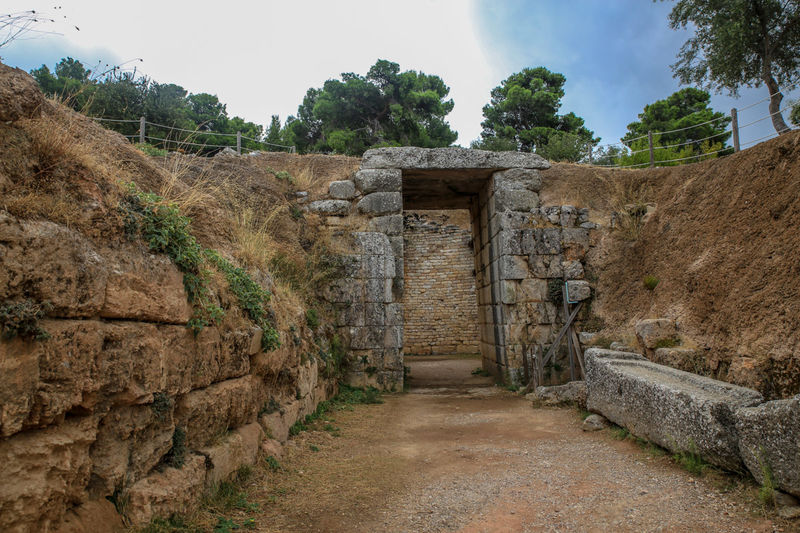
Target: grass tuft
21 319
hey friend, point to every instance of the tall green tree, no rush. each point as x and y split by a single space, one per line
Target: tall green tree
384 108
523 114
740 43
688 111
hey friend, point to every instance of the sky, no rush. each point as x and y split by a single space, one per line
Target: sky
260 57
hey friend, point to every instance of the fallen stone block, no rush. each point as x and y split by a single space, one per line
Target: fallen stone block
769 437
677 410
573 393
652 330
619 346
594 423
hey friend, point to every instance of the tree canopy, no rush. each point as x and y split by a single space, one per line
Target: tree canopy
384 108
523 115
123 96
688 112
740 43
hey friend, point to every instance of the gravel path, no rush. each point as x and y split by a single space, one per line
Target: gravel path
474 458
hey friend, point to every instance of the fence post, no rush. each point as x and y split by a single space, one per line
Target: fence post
652 151
239 142
141 130
735 129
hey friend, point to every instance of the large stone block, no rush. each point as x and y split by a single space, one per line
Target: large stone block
575 243
652 330
578 290
342 190
206 413
237 449
518 178
166 492
769 437
45 261
19 380
545 266
513 267
131 440
521 200
389 224
146 288
381 180
380 203
541 241
330 207
674 409
449 158
44 472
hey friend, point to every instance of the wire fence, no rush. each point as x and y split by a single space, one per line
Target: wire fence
623 154
172 138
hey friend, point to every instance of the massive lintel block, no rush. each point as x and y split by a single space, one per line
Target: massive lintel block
674 409
449 158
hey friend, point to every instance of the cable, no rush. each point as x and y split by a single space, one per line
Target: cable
196 132
187 143
788 88
112 120
750 143
787 106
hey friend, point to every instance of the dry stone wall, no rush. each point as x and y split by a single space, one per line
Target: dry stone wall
92 412
441 313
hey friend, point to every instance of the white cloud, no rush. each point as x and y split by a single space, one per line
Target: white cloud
261 57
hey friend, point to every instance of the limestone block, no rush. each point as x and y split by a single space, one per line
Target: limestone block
569 215
513 267
389 224
372 243
545 266
510 242
375 314
44 471
19 380
146 288
449 158
393 337
542 313
344 290
573 393
583 216
342 190
619 346
578 290
207 412
380 203
769 436
378 290
92 517
509 291
541 241
394 314
552 214
681 358
515 200
351 314
518 178
572 269
330 207
674 409
652 330
237 449
368 337
277 423
131 440
586 337
45 261
165 492
575 242
377 266
534 290
383 180
513 220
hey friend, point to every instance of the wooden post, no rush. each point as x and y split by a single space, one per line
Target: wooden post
569 337
141 130
239 142
652 151
735 128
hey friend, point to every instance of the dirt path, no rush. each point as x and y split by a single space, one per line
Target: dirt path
456 454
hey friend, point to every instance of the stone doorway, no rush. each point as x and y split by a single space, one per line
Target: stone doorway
519 249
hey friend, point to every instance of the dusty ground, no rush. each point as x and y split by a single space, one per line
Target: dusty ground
458 454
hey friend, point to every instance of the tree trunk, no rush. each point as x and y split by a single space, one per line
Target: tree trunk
775 99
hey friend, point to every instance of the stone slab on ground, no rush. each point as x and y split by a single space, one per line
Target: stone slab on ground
573 392
674 409
449 158
769 436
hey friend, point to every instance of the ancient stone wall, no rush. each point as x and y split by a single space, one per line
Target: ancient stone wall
441 314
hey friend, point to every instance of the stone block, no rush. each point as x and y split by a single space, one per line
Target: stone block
545 266
379 180
351 315
380 203
394 314
572 393
238 448
205 413
534 290
345 290
650 331
681 358
575 243
619 346
515 200
572 269
367 337
594 423
552 214
510 242
674 409
586 337
583 216
371 243
375 314
342 190
578 290
330 207
542 241
409 157
393 338
769 437
163 493
513 267
378 290
569 215
518 178
513 220
44 472
390 224
509 291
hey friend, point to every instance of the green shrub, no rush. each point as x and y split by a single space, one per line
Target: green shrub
620 433
554 293
161 406
21 319
272 463
766 493
312 318
650 282
691 460
667 343
150 150
176 457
